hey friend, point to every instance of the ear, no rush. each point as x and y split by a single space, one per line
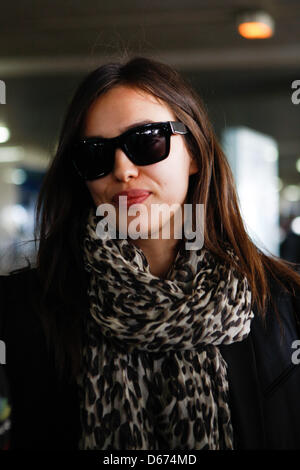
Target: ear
193 166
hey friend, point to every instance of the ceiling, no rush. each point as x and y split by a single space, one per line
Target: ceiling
46 47
55 35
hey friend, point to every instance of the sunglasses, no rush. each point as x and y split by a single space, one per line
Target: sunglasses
93 157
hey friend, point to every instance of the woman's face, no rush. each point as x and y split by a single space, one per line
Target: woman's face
166 181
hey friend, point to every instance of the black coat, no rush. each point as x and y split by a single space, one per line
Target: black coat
263 381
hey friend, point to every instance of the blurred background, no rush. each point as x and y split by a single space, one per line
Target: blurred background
46 47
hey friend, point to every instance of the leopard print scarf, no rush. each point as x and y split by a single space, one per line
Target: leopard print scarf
152 373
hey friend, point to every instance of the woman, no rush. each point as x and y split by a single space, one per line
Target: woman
126 342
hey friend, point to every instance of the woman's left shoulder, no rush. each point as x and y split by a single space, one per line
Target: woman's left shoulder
280 322
276 346
276 340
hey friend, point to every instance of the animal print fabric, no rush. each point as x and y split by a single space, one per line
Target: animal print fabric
152 373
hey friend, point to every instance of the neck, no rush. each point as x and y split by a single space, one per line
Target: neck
159 253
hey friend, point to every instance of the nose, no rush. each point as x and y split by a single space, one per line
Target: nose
124 169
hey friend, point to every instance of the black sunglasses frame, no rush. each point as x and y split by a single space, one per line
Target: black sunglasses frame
169 127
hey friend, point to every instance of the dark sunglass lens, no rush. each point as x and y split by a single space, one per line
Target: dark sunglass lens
93 160
147 146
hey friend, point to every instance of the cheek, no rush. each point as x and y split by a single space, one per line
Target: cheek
96 189
172 174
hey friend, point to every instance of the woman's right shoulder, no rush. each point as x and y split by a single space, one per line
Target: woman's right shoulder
18 293
20 278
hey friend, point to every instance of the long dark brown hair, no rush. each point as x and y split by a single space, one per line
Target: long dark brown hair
64 201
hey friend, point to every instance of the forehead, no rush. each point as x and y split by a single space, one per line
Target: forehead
121 107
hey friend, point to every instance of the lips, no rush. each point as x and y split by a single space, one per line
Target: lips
134 196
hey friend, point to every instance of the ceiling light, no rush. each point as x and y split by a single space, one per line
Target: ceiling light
12 218
4 134
11 153
295 225
18 176
255 25
291 193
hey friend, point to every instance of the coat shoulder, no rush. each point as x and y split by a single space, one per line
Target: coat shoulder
19 292
44 407
274 333
278 368
264 380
